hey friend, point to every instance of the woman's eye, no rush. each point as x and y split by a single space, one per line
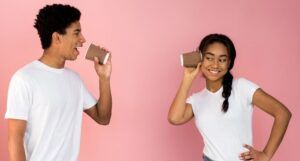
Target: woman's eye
223 60
209 58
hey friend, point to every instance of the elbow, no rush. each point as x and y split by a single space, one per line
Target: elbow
173 121
285 115
103 121
289 115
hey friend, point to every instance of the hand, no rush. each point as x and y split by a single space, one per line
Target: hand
254 155
191 73
103 71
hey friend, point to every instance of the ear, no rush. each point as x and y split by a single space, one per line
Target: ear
56 38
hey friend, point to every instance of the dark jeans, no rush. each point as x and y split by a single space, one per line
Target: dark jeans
205 158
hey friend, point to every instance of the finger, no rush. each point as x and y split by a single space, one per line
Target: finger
198 66
247 147
96 61
191 69
246 157
246 154
188 69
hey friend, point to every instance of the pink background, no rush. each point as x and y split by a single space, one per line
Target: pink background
146 38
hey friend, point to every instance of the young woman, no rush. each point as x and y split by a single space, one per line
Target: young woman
223 110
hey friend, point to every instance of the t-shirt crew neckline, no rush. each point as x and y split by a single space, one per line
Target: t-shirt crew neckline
48 68
218 92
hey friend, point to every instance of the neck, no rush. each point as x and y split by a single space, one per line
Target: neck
51 59
213 86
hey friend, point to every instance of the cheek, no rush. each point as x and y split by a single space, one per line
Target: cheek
203 68
204 64
225 67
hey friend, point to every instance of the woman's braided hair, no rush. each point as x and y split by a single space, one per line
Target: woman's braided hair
227 80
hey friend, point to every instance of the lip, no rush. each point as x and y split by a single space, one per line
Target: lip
78 45
76 51
214 72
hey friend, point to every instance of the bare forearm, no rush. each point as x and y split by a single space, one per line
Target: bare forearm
278 130
16 150
104 105
177 109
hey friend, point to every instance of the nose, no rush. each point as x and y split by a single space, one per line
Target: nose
215 63
82 39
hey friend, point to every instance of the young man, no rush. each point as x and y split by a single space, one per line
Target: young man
46 99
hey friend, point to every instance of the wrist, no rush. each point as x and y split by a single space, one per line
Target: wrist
267 155
186 83
187 80
104 79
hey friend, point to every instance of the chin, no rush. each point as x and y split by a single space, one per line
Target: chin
214 78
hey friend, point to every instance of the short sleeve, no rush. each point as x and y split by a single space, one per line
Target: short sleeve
247 89
88 99
193 101
18 98
190 100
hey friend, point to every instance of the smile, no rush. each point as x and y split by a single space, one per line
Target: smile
214 71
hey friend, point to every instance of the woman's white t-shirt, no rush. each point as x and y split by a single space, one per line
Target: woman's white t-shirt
225 133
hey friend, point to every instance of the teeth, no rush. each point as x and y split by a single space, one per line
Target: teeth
214 71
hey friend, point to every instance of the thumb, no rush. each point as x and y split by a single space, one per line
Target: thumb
96 60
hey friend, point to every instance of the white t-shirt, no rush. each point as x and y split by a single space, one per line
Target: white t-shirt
225 133
52 102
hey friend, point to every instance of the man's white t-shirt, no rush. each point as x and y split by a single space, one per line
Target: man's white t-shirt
225 133
52 102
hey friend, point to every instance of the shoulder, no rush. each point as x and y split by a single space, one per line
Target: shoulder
243 82
198 95
244 88
22 78
24 72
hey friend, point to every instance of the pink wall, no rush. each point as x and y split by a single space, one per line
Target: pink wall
154 33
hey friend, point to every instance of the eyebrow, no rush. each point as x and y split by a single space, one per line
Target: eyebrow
212 54
77 30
